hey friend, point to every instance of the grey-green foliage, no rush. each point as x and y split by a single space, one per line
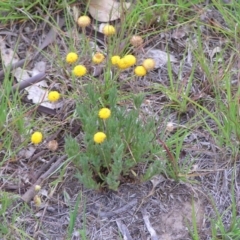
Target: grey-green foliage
130 141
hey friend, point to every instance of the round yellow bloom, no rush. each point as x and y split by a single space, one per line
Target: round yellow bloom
79 70
104 113
109 30
115 59
140 71
37 201
130 60
36 137
99 137
149 64
53 96
71 57
37 188
84 21
98 58
122 64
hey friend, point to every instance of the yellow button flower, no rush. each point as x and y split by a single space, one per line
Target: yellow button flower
130 60
71 57
115 59
149 64
84 21
37 201
99 137
53 96
79 70
37 188
98 58
104 113
36 137
140 71
122 64
109 30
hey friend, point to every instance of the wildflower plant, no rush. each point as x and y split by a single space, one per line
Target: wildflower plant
116 140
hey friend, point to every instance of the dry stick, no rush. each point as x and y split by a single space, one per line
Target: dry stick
148 225
31 191
28 82
124 230
43 168
12 67
42 109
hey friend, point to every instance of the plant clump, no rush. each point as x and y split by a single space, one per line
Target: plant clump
112 147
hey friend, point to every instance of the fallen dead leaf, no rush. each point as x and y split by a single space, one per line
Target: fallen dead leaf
37 92
107 10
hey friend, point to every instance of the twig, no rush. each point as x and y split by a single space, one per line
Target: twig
124 231
43 169
31 191
148 225
28 82
40 108
12 67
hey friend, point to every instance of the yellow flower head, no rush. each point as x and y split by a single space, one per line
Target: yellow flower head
79 70
99 137
36 137
84 21
122 64
71 57
140 71
98 58
115 59
53 96
149 64
104 113
109 30
37 188
130 60
37 201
